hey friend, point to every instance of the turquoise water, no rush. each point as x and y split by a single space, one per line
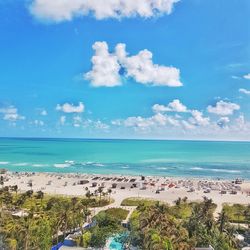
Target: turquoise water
163 158
115 245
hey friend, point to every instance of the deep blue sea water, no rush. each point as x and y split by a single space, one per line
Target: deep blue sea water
137 157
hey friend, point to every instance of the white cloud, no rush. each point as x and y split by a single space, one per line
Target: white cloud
70 108
236 77
247 76
187 125
94 125
174 106
105 70
140 67
38 123
158 108
223 121
223 108
198 118
160 120
62 120
138 121
79 122
8 110
100 125
244 91
77 119
156 121
44 112
241 124
11 114
13 117
66 10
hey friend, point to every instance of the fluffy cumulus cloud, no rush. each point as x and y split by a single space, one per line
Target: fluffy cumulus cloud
105 70
174 106
244 91
147 123
140 67
223 121
223 108
70 108
66 10
198 118
11 114
247 76
190 124
165 118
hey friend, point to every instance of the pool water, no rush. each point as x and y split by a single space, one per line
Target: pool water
115 245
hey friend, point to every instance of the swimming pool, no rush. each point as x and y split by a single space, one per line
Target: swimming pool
114 245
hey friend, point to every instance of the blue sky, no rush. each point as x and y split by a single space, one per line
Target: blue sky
184 74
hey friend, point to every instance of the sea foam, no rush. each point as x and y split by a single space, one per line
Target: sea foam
62 165
4 162
216 170
20 164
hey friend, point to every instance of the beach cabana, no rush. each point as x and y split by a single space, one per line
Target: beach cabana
94 184
114 185
83 182
171 185
49 183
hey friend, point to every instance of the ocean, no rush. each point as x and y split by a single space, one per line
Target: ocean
206 159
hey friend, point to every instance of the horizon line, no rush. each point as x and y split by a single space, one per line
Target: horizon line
124 139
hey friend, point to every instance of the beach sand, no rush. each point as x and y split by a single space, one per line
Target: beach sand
169 189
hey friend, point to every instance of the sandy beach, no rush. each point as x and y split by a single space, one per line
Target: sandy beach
152 187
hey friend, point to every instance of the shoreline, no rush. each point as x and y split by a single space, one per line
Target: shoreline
186 177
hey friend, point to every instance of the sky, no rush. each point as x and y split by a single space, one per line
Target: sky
144 69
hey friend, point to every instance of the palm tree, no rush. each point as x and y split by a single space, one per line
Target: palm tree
185 199
230 235
238 214
29 193
11 228
21 200
1 181
40 195
7 199
65 216
247 215
222 220
74 201
85 203
88 194
109 192
99 190
178 202
156 221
